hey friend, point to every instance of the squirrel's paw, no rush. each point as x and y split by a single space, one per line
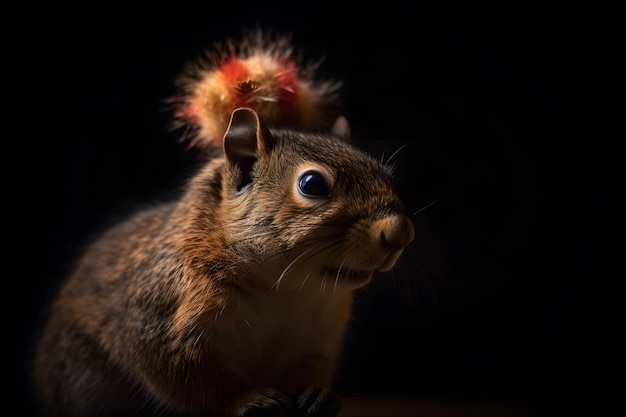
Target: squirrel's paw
269 403
318 402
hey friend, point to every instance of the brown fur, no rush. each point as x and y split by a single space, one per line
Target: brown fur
233 299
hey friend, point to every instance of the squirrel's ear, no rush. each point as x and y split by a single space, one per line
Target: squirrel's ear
245 137
341 129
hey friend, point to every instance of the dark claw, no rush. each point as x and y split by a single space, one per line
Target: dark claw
318 402
270 404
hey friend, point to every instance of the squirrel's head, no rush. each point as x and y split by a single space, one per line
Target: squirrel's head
260 72
310 202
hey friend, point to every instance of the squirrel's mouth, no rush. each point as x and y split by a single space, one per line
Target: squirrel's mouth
350 276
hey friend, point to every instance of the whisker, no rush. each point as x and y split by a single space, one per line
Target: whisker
328 247
422 280
424 208
287 269
304 281
197 341
324 283
257 235
395 153
337 276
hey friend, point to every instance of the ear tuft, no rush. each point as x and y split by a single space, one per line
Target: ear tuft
341 129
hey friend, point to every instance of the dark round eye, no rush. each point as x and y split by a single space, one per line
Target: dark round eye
313 184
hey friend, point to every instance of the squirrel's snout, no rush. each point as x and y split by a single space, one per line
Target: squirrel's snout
395 232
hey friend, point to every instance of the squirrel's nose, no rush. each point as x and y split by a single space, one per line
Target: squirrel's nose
395 232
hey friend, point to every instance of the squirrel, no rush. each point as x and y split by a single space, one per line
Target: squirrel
234 298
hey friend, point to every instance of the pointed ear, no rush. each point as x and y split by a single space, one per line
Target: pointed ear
341 129
245 137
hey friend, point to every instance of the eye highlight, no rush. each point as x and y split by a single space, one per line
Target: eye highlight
313 184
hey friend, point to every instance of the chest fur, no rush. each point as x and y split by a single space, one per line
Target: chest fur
261 336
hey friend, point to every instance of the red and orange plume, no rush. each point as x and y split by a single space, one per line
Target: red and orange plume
262 72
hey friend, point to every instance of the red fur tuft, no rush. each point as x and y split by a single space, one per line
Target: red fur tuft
234 70
261 72
185 110
288 88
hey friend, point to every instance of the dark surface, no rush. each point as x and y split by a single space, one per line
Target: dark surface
498 298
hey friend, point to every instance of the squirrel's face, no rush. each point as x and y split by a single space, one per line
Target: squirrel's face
312 205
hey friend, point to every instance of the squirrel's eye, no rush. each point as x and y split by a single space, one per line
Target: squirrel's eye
313 184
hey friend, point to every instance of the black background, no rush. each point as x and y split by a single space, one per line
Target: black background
498 108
